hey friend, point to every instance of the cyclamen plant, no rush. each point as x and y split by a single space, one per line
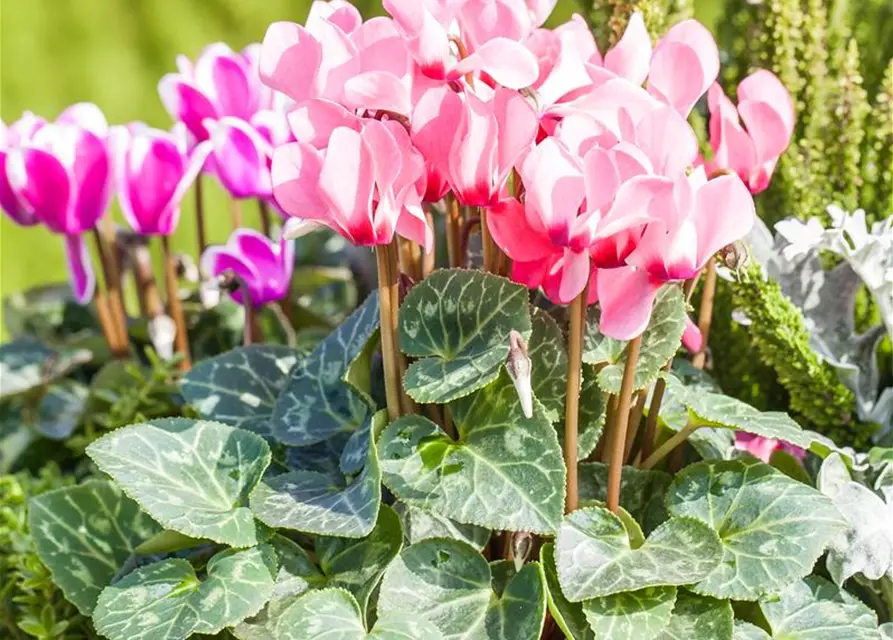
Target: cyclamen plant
533 466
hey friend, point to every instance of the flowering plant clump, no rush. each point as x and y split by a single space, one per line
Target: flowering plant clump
328 429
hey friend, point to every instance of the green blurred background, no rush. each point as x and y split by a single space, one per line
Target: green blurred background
113 52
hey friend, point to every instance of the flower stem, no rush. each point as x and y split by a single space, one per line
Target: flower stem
144 279
663 450
620 423
200 217
657 397
105 321
112 277
576 322
487 244
454 232
236 207
387 291
264 211
175 308
428 258
705 313
410 260
635 419
291 337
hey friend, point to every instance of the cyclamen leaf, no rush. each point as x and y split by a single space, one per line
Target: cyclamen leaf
886 631
549 359
567 615
634 615
450 583
192 476
419 525
815 609
595 557
504 472
317 403
717 410
772 528
84 535
27 363
747 631
642 492
334 614
866 546
167 601
322 503
58 412
593 405
457 323
660 342
697 617
240 387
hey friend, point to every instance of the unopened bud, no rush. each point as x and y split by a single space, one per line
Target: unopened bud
185 267
519 369
162 332
522 543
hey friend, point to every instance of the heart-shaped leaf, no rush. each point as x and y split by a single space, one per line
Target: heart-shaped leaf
317 403
457 323
718 410
167 601
567 615
84 534
633 615
697 617
27 364
548 358
593 405
772 528
815 609
747 631
335 615
354 565
450 583
504 472
595 557
327 504
192 476
419 525
240 387
642 492
659 343
866 546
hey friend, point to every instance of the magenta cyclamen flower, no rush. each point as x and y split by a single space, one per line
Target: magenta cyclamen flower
153 171
241 158
766 109
62 177
17 134
263 266
220 83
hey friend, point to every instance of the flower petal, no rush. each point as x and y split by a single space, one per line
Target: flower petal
80 268
510 230
290 59
723 213
295 171
630 58
45 186
626 296
509 63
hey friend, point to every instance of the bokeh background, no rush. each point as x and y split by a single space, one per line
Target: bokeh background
113 52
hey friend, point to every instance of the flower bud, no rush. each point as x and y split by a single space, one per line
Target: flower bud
519 369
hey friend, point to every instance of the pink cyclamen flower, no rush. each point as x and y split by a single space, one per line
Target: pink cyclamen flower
220 83
19 133
153 171
491 30
569 220
364 185
766 109
763 448
684 65
241 158
695 219
264 266
62 177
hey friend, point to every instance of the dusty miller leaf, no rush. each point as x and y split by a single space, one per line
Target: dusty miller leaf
192 476
317 403
240 387
595 557
866 546
504 472
450 583
457 324
85 534
167 601
772 528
